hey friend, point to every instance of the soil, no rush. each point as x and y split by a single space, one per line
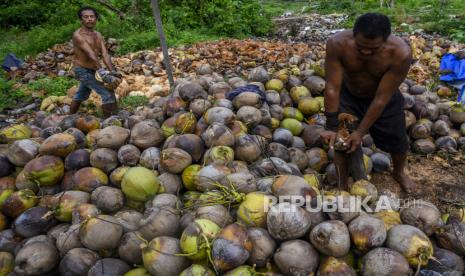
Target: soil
440 180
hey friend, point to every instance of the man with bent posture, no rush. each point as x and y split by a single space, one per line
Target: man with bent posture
89 45
364 68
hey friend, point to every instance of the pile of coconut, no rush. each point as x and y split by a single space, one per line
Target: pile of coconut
204 181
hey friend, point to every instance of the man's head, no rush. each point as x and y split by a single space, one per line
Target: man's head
371 30
88 17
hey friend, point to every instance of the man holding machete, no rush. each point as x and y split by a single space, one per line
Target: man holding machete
364 68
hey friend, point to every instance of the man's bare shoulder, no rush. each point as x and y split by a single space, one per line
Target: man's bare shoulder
339 39
401 50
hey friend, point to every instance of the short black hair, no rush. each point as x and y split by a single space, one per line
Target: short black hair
373 25
81 10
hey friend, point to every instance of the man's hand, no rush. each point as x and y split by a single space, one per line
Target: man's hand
354 141
328 137
111 81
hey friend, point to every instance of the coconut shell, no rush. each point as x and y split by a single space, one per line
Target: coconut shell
79 137
286 221
159 221
160 257
146 134
22 151
108 199
9 240
87 124
129 248
296 257
46 170
33 222
128 155
446 262
384 261
6 168
77 159
174 160
424 146
108 266
150 158
367 232
68 240
104 159
422 214
89 178
84 211
112 137
78 261
128 219
100 233
219 115
411 242
67 202
248 148
331 238
37 258
215 213
451 237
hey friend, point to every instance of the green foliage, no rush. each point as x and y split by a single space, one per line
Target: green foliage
10 95
51 86
131 102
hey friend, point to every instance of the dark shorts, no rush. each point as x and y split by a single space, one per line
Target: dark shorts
88 83
389 131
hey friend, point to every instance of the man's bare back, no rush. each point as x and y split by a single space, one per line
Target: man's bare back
363 73
94 40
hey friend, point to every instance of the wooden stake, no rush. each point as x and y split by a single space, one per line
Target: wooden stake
164 47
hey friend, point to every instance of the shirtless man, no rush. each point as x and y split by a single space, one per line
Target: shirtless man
364 68
89 45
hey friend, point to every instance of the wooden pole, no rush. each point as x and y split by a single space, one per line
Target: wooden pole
164 47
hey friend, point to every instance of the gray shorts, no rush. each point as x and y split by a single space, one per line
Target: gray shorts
88 83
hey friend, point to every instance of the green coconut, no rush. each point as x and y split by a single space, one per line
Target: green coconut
292 112
140 184
274 84
243 270
87 179
45 170
7 263
67 202
309 106
219 155
15 132
293 126
60 144
117 175
18 202
160 256
197 270
188 176
364 189
196 238
138 272
254 209
299 92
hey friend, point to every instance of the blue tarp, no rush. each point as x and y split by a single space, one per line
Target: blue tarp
455 73
11 61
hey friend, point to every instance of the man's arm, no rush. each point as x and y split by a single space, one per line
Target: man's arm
334 76
79 42
105 55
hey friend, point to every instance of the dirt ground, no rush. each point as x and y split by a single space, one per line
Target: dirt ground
440 179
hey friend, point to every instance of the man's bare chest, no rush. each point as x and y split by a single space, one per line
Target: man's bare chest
93 41
375 66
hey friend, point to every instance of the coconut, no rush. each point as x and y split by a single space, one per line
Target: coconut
89 178
160 257
367 232
457 114
451 237
422 214
79 137
129 249
66 202
140 184
364 189
263 247
191 90
279 151
286 221
33 222
117 175
128 155
7 261
137 272
283 136
115 120
174 160
15 132
100 233
199 107
424 146
242 182
146 134
311 135
215 213
87 124
19 202
381 162
251 99
335 266
174 105
298 157
150 158
9 240
309 106
77 159
231 248
47 132
331 238
219 89
223 103
296 257
258 74
218 134
315 84
440 128
274 84
189 175
91 139
84 211
293 125
243 270
298 93
317 159
411 242
159 221
108 199
420 130
170 183
168 127
383 262
22 151
273 97
446 143
291 112
6 168
46 170
219 155
68 240
36 258
197 269
196 236
185 123
254 209
248 148
250 115
128 219
210 176
292 186
219 114
112 137
108 266
78 261
104 159
270 167
446 262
